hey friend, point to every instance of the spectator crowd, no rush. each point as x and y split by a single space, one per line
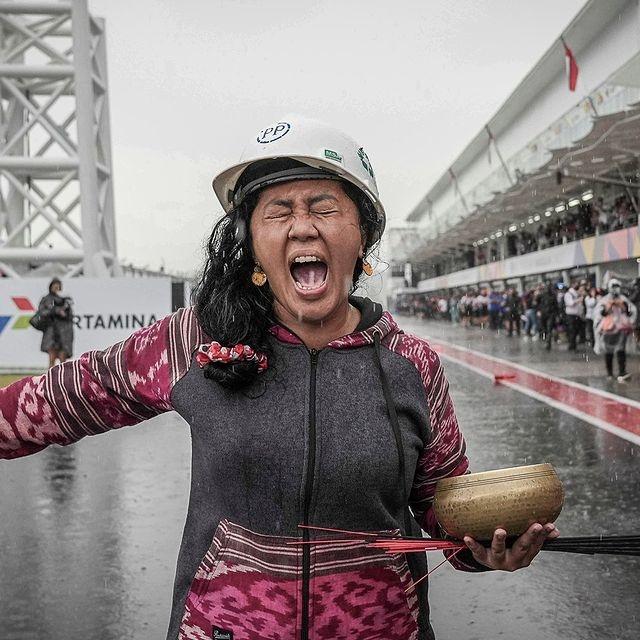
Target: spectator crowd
585 220
549 312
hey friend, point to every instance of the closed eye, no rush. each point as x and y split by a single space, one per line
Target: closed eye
282 213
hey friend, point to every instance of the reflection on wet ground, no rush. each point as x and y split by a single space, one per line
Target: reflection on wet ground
89 534
561 595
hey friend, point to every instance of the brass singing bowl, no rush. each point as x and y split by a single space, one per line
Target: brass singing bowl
477 504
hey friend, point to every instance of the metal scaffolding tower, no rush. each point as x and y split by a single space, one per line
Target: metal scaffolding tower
56 191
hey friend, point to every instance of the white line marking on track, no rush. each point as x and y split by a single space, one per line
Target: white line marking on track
596 422
599 392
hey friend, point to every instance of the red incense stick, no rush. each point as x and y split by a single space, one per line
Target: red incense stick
413 585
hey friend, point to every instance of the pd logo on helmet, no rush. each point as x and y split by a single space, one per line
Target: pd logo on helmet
273 133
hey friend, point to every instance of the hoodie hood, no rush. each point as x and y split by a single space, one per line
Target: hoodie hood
373 321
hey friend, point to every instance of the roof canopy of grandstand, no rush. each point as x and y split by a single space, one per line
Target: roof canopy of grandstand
547 145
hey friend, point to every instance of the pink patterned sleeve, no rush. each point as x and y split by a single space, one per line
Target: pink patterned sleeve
123 385
444 454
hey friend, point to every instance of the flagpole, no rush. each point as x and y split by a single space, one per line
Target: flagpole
457 189
495 146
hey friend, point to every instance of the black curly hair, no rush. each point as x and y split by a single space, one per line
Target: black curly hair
230 308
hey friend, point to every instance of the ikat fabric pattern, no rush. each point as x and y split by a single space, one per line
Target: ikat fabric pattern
125 384
27 421
250 584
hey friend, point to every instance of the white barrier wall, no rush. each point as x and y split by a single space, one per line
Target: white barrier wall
105 312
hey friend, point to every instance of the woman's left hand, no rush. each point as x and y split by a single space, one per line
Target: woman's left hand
519 555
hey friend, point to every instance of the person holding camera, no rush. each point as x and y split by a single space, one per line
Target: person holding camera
57 314
614 318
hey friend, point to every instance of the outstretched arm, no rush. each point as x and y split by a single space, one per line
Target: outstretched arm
125 384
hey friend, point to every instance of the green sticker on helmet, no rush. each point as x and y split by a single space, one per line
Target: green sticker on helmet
332 155
366 163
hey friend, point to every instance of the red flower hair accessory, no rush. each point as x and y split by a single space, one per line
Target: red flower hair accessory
215 352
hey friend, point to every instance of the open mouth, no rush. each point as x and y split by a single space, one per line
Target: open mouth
309 273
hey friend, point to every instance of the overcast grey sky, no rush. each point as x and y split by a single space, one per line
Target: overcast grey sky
191 80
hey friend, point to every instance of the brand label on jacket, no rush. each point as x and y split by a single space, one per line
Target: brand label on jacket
221 634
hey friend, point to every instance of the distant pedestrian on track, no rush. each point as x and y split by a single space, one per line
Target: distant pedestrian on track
480 308
634 296
57 311
548 309
495 310
573 310
530 301
582 327
466 309
614 319
590 302
443 308
513 311
454 310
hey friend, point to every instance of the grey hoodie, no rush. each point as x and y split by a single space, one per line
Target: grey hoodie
347 437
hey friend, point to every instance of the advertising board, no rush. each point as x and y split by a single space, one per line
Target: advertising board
105 311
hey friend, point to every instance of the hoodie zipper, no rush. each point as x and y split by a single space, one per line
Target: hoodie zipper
308 490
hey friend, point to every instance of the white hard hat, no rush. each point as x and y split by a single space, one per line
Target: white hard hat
614 282
312 145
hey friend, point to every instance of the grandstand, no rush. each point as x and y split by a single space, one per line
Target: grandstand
548 189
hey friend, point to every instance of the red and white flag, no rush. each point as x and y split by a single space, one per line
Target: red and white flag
571 66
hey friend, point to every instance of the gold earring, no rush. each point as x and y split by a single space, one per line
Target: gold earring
258 277
367 268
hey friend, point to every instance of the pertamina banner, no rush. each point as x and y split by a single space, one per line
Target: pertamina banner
106 311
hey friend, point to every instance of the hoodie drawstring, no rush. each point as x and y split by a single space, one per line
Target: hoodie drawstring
395 425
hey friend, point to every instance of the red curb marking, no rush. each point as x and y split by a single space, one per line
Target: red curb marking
23 304
498 377
614 412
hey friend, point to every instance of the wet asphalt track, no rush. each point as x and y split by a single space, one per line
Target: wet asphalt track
89 534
